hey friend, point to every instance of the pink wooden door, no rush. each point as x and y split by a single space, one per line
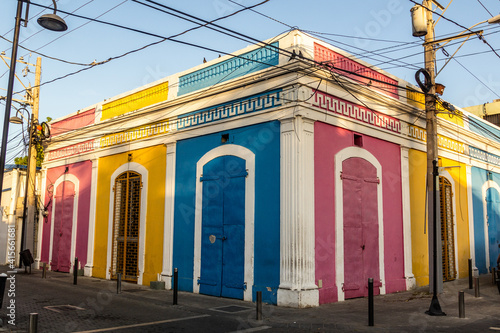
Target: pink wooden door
361 250
63 225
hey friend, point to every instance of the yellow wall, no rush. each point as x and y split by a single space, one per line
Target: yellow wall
153 159
419 227
135 101
419 231
417 99
458 173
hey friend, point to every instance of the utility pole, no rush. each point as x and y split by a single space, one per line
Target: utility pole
432 147
30 191
435 270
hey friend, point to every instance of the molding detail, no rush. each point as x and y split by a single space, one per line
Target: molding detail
354 111
232 109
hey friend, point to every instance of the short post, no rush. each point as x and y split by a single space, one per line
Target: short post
476 287
176 285
493 276
118 283
33 323
75 271
44 270
470 273
461 304
259 305
370 302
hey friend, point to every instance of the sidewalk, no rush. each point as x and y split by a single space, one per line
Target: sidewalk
93 306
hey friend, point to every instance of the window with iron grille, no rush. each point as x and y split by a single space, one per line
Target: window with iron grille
447 230
126 219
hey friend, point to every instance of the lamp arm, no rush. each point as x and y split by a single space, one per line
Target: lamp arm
55 6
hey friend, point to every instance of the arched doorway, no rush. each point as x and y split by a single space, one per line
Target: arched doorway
361 227
223 227
447 230
64 199
493 223
126 226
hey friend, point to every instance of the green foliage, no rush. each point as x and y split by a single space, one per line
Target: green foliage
39 157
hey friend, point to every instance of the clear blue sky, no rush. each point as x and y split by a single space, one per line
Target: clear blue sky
357 26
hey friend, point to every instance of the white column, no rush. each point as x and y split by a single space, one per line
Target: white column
472 241
87 270
405 181
168 227
297 269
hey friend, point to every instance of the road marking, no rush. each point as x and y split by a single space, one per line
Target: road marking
143 324
254 329
495 328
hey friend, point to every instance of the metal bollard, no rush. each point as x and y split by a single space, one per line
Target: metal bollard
470 273
176 285
493 276
259 305
476 287
461 304
33 323
118 283
370 302
75 271
44 270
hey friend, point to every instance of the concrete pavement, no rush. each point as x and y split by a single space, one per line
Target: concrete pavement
94 306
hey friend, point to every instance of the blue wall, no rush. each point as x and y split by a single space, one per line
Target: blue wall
232 68
479 177
264 141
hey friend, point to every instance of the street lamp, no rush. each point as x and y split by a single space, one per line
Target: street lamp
423 25
54 23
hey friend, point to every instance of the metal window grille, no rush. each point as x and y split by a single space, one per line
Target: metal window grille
447 230
126 218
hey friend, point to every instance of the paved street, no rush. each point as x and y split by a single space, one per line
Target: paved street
93 306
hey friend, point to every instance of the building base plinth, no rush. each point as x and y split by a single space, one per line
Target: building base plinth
298 298
87 270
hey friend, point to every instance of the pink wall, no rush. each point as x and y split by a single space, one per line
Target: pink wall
74 122
329 140
82 171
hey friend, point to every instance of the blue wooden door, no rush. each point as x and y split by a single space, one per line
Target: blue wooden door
223 227
493 216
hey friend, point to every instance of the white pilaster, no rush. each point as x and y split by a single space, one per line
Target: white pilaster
168 228
405 179
297 269
472 240
41 219
92 211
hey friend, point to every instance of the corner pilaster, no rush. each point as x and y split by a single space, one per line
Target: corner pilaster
297 269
